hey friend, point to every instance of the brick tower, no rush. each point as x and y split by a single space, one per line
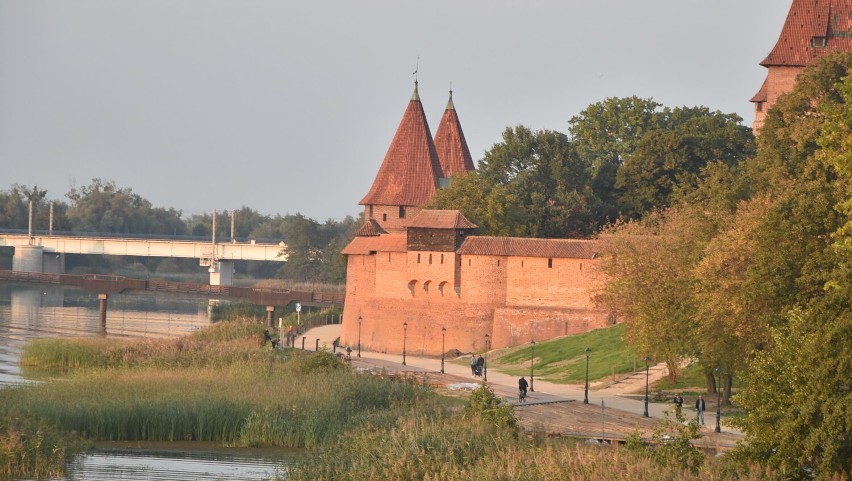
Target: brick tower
408 176
812 28
453 154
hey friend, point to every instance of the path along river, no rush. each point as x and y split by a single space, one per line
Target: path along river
29 311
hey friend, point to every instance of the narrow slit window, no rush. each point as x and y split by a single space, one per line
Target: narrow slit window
550 263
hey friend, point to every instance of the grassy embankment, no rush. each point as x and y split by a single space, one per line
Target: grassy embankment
563 360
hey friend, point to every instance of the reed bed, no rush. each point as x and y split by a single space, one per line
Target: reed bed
34 450
450 448
216 385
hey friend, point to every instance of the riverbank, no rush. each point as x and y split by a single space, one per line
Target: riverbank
371 419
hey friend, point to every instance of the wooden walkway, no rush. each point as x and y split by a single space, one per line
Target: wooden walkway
590 421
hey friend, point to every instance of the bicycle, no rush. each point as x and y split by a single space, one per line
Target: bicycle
522 396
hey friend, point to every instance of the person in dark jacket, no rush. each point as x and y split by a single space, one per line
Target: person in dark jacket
522 387
678 402
480 364
700 406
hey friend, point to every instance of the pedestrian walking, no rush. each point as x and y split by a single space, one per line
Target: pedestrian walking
473 365
700 406
678 402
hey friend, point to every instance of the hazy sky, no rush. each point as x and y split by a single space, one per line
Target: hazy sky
287 107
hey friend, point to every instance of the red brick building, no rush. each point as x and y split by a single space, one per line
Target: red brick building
412 272
812 28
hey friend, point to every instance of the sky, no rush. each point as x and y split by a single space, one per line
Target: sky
289 107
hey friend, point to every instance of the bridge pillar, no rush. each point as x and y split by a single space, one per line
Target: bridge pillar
221 273
28 259
102 301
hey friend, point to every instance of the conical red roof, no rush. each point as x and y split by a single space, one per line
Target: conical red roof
409 174
812 28
453 153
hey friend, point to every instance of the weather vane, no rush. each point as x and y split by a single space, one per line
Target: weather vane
416 68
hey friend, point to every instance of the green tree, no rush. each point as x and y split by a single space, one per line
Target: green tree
797 400
604 135
531 184
668 163
102 206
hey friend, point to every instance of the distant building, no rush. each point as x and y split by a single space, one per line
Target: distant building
412 271
812 28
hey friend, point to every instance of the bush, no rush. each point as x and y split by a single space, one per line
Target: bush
484 404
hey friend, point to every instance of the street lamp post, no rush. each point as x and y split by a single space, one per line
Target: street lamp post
647 367
485 363
532 367
719 401
404 332
359 335
586 397
443 338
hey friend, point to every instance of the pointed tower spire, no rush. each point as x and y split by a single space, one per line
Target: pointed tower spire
453 153
408 176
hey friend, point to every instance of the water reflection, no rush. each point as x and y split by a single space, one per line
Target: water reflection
29 311
172 465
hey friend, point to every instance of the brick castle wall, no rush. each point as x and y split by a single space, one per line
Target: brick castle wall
512 299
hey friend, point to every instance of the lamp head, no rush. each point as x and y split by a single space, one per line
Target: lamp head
588 350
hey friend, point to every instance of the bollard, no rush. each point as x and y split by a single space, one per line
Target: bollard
102 301
270 321
317 346
303 342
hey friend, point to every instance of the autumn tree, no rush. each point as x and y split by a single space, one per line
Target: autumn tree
652 284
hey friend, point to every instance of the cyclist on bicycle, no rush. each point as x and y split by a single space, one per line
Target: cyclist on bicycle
522 387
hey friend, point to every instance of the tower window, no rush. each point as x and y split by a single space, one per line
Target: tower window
550 263
818 42
430 258
402 212
384 217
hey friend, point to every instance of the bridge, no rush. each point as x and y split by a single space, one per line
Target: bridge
45 252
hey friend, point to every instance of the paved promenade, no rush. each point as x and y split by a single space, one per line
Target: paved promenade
615 396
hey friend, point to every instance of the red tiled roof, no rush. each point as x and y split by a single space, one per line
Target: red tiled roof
383 243
809 19
441 219
453 153
761 95
409 174
370 228
529 247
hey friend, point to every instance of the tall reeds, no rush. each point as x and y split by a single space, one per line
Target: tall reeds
33 450
216 385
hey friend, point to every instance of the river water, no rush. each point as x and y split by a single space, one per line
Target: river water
29 311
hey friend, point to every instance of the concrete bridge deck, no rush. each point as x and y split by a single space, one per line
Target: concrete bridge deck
123 246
